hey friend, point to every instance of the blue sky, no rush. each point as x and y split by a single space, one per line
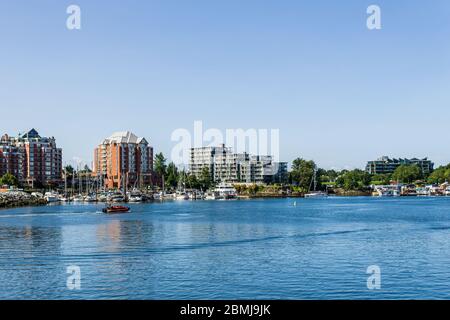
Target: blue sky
339 93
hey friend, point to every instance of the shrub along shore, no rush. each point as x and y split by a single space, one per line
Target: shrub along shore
19 199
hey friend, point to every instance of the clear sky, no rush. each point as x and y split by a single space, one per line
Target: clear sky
339 93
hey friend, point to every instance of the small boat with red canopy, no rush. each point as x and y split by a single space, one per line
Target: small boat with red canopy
116 209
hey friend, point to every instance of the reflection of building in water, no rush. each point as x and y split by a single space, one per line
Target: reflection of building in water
117 234
108 235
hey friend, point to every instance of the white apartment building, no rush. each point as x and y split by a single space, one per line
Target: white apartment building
226 166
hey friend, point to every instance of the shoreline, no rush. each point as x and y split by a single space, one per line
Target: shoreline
18 199
11 204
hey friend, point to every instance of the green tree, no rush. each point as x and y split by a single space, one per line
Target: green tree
354 180
205 180
192 182
69 169
407 173
302 172
327 175
160 165
9 179
440 175
172 175
382 178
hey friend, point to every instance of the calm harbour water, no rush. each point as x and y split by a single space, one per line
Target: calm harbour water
246 249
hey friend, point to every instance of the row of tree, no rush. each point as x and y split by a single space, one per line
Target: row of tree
302 173
172 177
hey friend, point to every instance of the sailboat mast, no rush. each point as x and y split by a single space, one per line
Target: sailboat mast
315 178
65 182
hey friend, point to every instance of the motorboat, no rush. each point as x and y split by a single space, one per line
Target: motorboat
135 196
447 191
116 209
51 197
103 197
210 196
78 198
225 191
37 195
64 199
116 197
388 191
157 195
182 196
422 192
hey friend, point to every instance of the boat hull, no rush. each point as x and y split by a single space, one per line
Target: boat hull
116 209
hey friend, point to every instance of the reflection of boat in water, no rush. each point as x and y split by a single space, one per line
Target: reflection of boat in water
116 209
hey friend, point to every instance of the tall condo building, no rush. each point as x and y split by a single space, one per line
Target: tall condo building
124 159
31 158
226 166
386 165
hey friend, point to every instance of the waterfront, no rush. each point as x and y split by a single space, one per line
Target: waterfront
246 249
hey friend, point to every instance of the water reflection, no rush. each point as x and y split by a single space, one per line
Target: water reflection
228 250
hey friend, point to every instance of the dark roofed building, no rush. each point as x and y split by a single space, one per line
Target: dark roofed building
31 158
386 165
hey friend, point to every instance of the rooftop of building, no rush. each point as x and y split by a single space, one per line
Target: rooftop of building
125 137
387 159
30 134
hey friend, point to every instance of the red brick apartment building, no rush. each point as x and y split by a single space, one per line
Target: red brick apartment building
123 158
31 158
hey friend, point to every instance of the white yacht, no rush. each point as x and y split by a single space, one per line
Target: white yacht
78 198
388 191
447 191
103 197
37 195
157 196
135 196
64 198
51 197
182 196
316 194
210 196
225 191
